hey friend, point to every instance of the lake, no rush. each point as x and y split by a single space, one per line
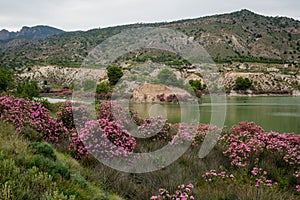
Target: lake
280 114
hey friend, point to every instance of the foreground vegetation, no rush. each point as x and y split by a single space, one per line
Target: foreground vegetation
36 163
35 170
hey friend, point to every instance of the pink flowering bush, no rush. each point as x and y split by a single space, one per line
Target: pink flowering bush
255 157
260 177
74 115
105 139
115 112
152 127
161 97
202 131
248 140
213 176
297 176
24 112
182 193
242 141
185 134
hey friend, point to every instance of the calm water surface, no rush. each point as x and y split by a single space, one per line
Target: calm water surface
281 114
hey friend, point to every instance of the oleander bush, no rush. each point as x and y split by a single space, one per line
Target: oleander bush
246 162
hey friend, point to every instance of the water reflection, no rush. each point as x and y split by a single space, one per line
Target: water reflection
272 113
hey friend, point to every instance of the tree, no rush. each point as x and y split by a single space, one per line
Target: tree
6 79
242 83
102 88
195 84
114 73
28 89
197 87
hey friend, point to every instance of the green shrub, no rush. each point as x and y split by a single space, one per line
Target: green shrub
6 79
28 89
31 134
45 103
60 169
102 88
43 149
55 169
114 73
242 83
28 171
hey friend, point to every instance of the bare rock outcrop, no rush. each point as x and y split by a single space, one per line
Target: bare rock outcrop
61 76
153 93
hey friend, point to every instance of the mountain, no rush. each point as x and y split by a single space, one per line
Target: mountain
241 36
36 32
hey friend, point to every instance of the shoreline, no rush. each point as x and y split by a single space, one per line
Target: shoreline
69 98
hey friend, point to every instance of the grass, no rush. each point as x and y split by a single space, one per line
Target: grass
189 169
34 170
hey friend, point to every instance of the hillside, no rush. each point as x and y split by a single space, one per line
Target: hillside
35 170
241 36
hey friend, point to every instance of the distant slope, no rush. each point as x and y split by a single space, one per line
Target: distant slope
238 36
244 35
36 32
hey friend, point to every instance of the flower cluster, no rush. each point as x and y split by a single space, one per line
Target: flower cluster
115 112
260 177
182 193
247 139
74 115
202 131
161 97
185 134
152 126
213 176
105 137
242 141
297 175
24 112
298 188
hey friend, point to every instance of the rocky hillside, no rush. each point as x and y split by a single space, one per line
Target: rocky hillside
241 36
36 32
245 35
58 77
263 82
266 50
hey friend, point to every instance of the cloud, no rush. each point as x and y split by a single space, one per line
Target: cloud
87 14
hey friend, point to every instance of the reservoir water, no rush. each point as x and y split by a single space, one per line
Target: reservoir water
280 114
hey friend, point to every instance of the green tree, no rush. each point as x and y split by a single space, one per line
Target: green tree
114 73
242 83
6 80
196 85
28 89
102 88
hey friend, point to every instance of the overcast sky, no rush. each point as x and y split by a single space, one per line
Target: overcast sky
72 15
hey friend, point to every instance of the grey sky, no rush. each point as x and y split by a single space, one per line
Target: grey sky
87 14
